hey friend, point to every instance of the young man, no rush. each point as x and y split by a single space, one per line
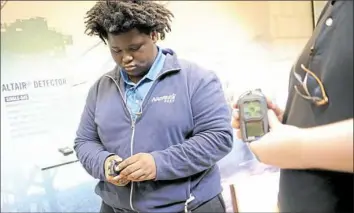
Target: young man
314 145
166 118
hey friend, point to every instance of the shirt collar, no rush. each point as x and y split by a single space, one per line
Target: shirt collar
153 72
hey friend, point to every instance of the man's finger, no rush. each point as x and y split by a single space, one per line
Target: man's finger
277 110
235 119
130 169
129 161
135 176
274 106
119 180
117 158
113 179
148 177
109 179
270 102
123 182
273 119
235 114
235 106
235 124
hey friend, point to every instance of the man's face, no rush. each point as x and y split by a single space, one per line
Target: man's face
133 51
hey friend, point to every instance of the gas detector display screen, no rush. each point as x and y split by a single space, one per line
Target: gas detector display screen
252 109
254 129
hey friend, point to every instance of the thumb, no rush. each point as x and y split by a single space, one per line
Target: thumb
273 119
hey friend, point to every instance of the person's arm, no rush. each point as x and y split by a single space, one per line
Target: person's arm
88 146
212 135
329 147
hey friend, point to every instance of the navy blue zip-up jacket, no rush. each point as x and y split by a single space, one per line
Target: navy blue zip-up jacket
185 124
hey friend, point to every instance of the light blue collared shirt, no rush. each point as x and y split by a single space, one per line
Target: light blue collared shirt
135 93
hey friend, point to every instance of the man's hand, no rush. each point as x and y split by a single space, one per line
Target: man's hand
236 120
282 146
111 179
139 167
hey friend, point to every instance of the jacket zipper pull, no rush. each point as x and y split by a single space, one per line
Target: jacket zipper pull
190 199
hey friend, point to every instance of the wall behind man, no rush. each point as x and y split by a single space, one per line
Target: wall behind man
249 44
317 8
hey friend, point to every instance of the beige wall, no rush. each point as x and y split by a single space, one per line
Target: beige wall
248 43
318 6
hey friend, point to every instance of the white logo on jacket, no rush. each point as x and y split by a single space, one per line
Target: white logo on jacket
165 98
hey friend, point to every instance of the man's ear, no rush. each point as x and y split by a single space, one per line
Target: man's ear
154 36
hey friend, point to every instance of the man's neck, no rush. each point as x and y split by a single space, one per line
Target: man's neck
136 79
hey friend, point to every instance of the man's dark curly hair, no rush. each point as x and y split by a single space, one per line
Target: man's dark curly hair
120 16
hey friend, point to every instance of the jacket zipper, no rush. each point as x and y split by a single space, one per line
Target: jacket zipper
133 124
131 154
131 140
